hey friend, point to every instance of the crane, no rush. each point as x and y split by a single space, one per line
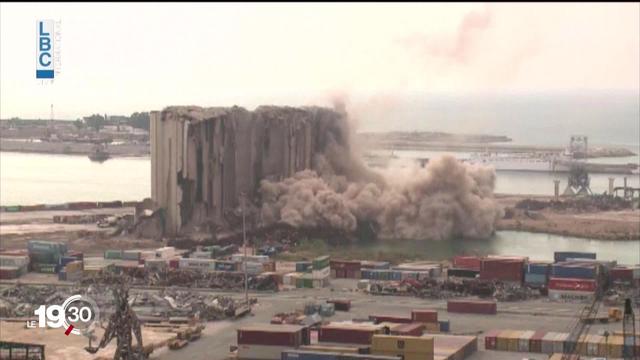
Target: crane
629 332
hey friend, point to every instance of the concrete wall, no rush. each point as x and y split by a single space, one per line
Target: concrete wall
203 158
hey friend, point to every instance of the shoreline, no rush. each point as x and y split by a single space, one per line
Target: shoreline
73 148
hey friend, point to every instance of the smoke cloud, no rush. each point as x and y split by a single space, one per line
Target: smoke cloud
443 200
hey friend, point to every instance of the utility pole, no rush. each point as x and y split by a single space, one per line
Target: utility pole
244 245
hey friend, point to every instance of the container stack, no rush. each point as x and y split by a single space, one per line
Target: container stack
449 347
560 256
574 280
349 333
208 265
44 256
467 262
407 347
554 342
536 273
321 271
267 341
72 271
502 268
13 264
625 275
343 269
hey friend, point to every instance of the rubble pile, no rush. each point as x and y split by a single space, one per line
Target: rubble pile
582 204
210 280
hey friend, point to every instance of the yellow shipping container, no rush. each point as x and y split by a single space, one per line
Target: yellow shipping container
512 340
421 344
581 346
331 349
405 355
615 346
502 342
432 327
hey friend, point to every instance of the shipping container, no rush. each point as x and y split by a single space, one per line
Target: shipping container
268 334
196 264
344 265
524 341
503 269
166 252
424 315
303 266
572 284
575 270
374 265
412 329
321 355
535 343
467 262
113 254
547 342
9 272
377 318
490 341
538 268
350 333
444 325
260 352
463 273
404 346
560 256
14 260
472 306
571 295
535 279
341 305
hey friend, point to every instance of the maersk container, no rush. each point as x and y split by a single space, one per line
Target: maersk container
560 256
317 355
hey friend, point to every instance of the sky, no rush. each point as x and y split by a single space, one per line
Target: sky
118 58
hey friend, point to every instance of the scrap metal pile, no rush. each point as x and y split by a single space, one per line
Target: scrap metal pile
445 289
171 303
582 204
210 280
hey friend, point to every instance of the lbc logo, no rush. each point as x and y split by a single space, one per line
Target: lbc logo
44 53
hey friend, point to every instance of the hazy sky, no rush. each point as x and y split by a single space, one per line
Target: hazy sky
121 58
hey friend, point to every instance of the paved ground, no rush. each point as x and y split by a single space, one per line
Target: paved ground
528 315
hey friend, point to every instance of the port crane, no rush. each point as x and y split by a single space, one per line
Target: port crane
583 324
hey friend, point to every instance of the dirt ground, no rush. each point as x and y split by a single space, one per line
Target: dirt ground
604 225
16 229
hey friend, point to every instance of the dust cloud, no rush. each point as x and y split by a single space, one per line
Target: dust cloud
444 200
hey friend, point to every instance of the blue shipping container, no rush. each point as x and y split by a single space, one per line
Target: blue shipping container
444 325
575 272
560 256
535 279
537 268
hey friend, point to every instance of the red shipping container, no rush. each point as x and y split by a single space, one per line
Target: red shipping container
341 305
490 339
269 334
341 273
413 329
472 307
535 343
174 263
572 284
502 269
467 262
346 335
390 318
344 265
430 316
621 274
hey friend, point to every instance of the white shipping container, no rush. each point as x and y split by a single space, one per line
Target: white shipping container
592 345
165 252
17 261
523 341
558 342
320 283
147 254
547 342
570 295
200 264
260 352
285 267
290 278
321 274
154 264
250 258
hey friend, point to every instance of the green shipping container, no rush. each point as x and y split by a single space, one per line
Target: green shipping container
113 254
321 262
304 283
45 268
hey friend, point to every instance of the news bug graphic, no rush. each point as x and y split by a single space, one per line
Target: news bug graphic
75 315
47 49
